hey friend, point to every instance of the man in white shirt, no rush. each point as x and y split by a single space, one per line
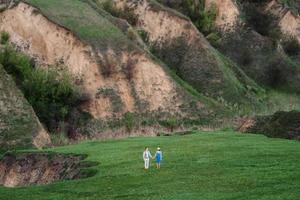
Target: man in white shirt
146 156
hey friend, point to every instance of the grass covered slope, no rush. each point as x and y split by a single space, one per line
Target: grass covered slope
186 52
221 165
83 21
18 123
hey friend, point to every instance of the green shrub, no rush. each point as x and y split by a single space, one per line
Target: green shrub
203 19
261 21
51 94
4 38
171 123
129 120
291 46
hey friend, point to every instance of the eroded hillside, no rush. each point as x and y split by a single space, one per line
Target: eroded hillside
116 77
141 67
174 39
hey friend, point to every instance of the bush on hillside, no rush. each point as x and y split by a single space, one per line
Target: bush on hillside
129 120
261 21
203 19
291 46
4 38
171 123
52 95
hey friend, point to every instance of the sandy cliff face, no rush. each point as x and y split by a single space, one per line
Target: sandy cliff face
228 15
289 22
52 45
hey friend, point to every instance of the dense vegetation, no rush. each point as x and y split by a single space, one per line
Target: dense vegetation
222 165
204 19
51 94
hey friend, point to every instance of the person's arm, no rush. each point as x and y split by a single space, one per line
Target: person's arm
150 154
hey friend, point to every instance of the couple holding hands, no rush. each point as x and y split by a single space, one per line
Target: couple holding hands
147 155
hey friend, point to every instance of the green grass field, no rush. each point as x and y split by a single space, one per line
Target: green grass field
221 165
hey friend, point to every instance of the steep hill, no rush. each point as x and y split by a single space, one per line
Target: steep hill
174 39
250 34
143 67
119 80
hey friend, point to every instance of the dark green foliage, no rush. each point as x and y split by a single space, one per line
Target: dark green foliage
293 5
170 123
4 38
204 19
280 125
291 46
129 120
259 58
260 20
52 95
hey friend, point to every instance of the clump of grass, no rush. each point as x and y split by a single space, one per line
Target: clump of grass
4 38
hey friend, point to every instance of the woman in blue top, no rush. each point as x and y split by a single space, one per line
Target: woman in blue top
158 157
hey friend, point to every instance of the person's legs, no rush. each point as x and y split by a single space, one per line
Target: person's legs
158 164
146 163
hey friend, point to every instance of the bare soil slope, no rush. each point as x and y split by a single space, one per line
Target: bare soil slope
117 79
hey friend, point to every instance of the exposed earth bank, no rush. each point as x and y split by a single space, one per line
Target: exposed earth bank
41 168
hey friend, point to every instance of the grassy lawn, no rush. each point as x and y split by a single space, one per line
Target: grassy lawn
221 165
